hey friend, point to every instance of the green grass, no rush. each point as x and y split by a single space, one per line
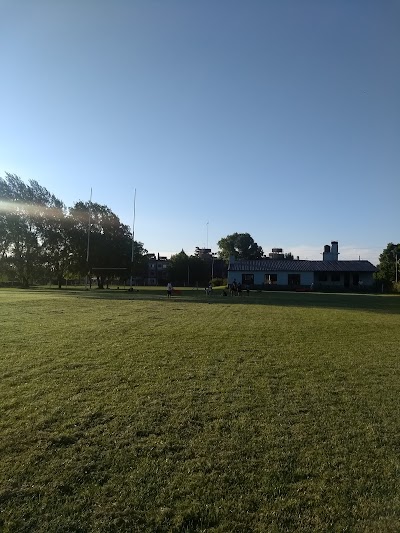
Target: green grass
131 412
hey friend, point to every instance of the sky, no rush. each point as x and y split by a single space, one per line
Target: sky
276 118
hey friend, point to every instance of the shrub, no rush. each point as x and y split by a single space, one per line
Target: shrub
219 282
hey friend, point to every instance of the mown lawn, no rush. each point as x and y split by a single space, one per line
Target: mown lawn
131 412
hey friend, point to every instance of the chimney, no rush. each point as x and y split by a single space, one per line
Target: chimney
331 253
334 251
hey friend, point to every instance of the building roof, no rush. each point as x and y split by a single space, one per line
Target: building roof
287 265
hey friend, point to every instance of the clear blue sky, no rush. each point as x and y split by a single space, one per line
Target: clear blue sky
277 118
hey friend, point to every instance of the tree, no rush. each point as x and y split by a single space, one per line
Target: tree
186 269
54 226
110 244
387 264
199 271
23 219
241 245
39 236
179 269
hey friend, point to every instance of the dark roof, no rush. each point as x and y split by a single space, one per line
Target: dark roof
287 265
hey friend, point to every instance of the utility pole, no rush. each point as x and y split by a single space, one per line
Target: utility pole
88 242
133 235
212 265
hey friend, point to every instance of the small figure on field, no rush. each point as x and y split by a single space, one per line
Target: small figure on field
169 289
233 288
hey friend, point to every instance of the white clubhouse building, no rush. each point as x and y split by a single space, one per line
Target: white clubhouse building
296 273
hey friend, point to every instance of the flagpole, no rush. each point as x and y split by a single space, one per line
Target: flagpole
88 240
133 235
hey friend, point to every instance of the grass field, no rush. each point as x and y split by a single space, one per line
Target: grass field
131 412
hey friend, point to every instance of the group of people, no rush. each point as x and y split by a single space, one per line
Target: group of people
235 289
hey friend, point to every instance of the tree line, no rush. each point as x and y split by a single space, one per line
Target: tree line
42 239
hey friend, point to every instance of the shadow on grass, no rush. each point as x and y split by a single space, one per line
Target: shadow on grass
362 302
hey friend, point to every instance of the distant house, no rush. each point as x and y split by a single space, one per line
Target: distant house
289 273
157 270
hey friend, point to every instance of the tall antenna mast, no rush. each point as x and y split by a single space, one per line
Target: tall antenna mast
88 239
207 235
133 234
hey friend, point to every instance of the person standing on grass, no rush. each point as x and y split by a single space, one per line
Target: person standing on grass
233 288
169 289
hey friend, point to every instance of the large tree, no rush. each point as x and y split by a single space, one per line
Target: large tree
54 230
110 243
387 264
25 213
39 237
241 245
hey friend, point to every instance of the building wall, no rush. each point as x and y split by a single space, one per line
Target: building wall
157 271
306 278
344 279
367 278
322 279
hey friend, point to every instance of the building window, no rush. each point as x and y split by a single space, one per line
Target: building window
247 279
356 279
271 279
293 279
322 276
335 276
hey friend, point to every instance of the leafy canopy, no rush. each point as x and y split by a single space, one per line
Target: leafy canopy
190 270
241 245
41 239
387 263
